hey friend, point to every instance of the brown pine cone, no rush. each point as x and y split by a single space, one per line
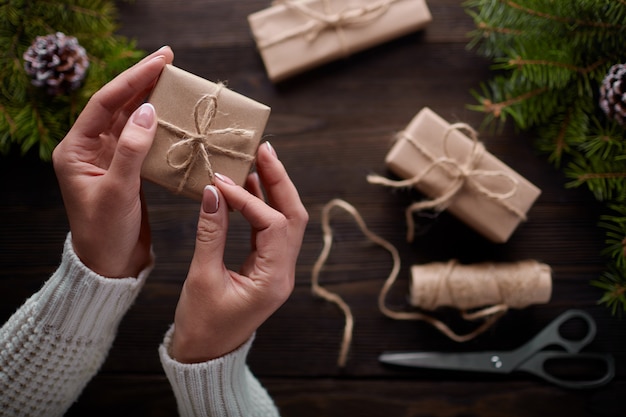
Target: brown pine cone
57 63
613 93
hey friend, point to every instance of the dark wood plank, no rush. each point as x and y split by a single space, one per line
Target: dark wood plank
325 397
331 127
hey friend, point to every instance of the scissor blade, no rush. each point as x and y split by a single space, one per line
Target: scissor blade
496 362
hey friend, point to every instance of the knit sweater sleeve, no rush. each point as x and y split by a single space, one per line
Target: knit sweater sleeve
222 387
55 343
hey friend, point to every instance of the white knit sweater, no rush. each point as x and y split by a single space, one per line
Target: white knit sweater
56 342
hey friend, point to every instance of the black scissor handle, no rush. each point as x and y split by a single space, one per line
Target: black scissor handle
551 335
536 365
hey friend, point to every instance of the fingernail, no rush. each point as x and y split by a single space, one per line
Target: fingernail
271 148
144 116
158 58
224 178
210 199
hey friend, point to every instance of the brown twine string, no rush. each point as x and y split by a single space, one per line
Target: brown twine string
199 142
490 314
319 22
462 173
319 264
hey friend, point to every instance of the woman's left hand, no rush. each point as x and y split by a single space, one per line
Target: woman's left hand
98 166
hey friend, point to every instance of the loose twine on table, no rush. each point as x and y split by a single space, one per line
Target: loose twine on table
199 143
321 21
490 314
461 173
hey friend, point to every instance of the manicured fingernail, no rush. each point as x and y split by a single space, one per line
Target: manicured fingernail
271 148
158 58
210 199
144 116
224 178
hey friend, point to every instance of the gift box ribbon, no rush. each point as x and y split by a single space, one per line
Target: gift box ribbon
199 143
318 21
460 172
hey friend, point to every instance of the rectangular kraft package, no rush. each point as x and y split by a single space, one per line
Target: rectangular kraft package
491 197
203 128
296 35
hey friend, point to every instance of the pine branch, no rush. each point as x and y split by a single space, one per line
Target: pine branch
561 19
613 283
550 58
29 119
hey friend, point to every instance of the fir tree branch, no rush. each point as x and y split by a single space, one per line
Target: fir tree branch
8 119
613 283
519 62
496 29
600 175
28 125
560 19
561 145
552 57
88 12
496 108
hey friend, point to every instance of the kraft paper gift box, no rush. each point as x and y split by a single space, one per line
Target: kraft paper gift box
459 175
296 35
203 128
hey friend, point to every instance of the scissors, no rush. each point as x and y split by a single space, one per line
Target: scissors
530 357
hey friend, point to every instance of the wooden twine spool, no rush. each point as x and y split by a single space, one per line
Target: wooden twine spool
493 287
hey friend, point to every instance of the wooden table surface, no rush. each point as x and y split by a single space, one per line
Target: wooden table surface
331 127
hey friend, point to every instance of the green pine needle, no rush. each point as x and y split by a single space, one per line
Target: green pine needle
549 59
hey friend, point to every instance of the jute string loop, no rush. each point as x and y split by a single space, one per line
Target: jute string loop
198 142
319 22
461 173
319 264
490 314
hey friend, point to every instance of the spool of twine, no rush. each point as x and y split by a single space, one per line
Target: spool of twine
494 287
449 284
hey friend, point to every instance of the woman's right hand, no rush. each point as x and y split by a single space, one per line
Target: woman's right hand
220 309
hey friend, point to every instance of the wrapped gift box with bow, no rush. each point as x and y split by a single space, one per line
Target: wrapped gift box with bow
203 128
296 35
458 174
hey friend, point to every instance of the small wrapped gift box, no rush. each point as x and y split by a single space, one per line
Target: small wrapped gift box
296 35
203 128
457 173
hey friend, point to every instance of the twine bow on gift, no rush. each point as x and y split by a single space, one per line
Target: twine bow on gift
318 22
199 144
461 173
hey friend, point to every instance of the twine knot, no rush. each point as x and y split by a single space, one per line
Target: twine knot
318 22
461 173
198 143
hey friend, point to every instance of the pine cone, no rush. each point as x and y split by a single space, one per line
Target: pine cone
613 93
56 62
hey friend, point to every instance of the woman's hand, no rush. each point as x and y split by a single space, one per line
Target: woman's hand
98 166
220 309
